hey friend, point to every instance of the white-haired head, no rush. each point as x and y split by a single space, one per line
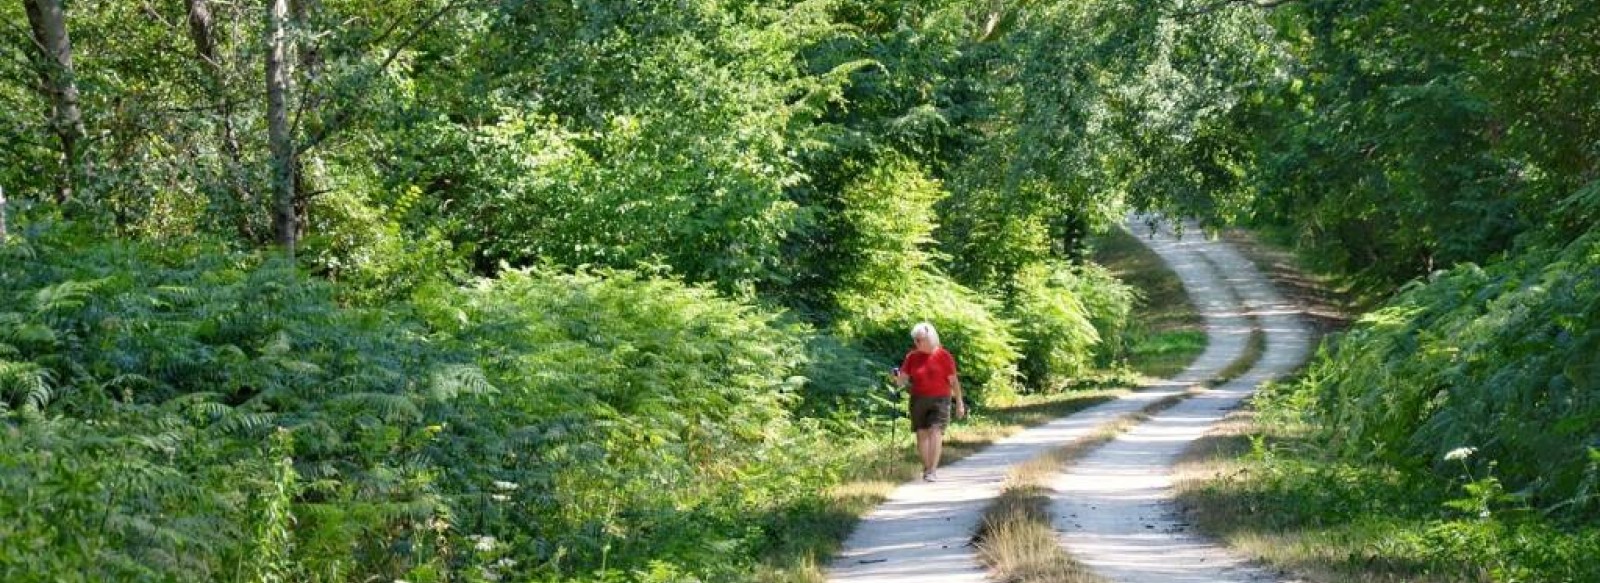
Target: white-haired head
925 330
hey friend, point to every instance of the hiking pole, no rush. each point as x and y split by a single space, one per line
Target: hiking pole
894 407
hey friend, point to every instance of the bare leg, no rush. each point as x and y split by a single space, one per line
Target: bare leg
924 449
935 446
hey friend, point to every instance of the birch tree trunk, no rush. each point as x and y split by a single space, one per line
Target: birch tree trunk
279 138
48 20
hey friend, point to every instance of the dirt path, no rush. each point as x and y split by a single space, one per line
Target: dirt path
1113 508
922 532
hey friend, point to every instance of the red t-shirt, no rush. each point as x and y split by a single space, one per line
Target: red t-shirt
930 373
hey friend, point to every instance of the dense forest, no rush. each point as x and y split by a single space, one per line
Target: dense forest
466 290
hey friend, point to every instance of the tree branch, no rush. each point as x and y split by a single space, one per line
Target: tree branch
1215 6
339 117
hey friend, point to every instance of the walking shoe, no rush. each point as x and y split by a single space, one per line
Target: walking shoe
930 476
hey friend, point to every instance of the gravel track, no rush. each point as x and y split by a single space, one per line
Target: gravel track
922 532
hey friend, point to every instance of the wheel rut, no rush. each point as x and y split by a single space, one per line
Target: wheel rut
1113 510
922 532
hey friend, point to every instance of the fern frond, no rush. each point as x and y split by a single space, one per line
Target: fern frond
129 381
166 443
26 383
298 366
169 296
389 407
14 329
279 345
67 295
245 422
450 381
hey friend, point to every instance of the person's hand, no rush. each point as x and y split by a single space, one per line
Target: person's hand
961 409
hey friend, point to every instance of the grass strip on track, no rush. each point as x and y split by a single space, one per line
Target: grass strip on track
1016 540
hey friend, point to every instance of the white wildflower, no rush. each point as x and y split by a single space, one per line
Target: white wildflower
483 543
503 485
1460 453
499 497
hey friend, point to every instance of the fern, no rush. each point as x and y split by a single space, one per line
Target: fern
1499 358
450 381
25 385
65 296
388 407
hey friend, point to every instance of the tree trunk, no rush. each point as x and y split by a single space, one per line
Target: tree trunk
279 138
201 31
3 235
48 20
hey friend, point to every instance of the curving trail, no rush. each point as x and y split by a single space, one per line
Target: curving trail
1113 508
922 532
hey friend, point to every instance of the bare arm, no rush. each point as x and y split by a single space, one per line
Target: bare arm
955 392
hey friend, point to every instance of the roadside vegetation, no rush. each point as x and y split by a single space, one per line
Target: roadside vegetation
509 291
1165 333
1286 482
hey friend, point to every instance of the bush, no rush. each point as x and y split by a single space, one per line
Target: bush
1502 359
887 281
844 384
1109 303
1069 319
180 412
982 343
640 191
364 247
637 419
1053 327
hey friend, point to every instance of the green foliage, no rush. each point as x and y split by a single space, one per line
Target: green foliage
1375 520
1109 303
614 386
535 192
157 375
1501 359
1070 320
886 227
180 412
1053 327
365 247
887 282
994 236
982 343
867 165
622 135
844 384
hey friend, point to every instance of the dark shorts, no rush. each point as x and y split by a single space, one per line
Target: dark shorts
929 412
